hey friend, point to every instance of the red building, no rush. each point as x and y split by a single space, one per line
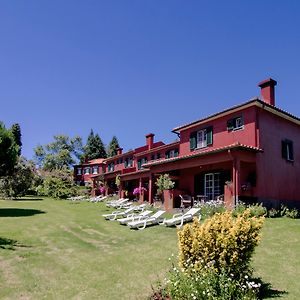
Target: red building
249 152
84 173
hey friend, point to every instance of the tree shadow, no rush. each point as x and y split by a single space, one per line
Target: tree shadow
266 290
9 244
19 212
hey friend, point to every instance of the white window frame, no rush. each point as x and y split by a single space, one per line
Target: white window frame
79 171
201 139
239 123
87 171
95 170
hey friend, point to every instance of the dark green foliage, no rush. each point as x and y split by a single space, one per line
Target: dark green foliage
16 131
57 184
113 147
61 153
94 147
8 151
19 182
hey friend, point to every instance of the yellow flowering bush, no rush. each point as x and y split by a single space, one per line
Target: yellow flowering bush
223 242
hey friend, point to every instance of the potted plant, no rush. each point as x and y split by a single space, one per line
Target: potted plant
139 192
164 186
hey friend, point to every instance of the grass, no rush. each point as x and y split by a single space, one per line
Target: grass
53 249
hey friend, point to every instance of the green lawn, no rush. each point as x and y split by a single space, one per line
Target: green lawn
53 249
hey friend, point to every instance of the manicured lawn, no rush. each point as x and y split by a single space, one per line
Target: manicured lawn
53 249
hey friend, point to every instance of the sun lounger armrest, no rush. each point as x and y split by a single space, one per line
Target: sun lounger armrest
177 215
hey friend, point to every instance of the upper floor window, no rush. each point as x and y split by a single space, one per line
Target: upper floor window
141 162
111 167
287 150
172 153
128 162
87 170
201 138
79 171
235 123
95 170
155 156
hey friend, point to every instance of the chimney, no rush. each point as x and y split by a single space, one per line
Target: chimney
268 90
149 140
119 151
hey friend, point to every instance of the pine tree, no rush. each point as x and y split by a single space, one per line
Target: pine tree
94 147
16 131
8 151
113 147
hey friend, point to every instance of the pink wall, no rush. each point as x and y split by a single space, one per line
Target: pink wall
221 136
277 178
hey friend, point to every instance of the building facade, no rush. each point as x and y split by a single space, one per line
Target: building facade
249 152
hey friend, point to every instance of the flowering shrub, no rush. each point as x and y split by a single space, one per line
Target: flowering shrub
102 189
211 207
214 260
222 242
139 190
208 285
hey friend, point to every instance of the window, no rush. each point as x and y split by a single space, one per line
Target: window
141 162
235 123
153 157
95 170
201 138
128 162
79 171
111 167
287 150
87 170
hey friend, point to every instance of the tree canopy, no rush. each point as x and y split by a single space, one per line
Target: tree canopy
16 131
8 151
63 152
94 147
113 147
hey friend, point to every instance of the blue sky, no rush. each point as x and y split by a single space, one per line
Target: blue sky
127 68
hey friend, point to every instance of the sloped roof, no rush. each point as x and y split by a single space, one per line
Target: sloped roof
237 146
254 101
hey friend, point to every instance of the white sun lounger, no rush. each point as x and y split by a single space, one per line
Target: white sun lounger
141 224
133 217
180 219
118 213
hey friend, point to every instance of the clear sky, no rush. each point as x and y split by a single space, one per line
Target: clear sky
131 67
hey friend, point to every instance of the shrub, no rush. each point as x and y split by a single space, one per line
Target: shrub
17 184
257 210
208 285
57 184
222 242
292 213
209 208
273 213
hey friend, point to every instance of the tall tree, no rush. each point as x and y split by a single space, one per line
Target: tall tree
113 147
61 153
16 131
94 147
8 151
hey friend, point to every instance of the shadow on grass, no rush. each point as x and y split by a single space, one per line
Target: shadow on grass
19 212
266 290
9 244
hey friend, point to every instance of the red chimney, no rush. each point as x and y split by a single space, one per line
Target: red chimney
119 151
149 140
268 90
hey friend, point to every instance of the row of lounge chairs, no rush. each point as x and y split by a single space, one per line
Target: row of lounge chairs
147 217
